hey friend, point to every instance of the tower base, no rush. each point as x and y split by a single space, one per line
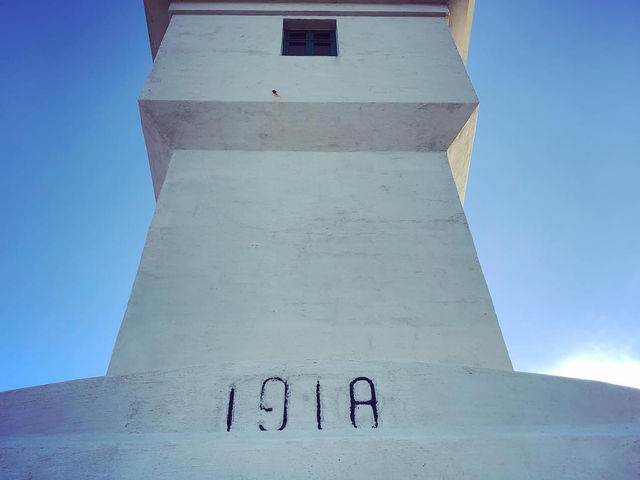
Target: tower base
321 420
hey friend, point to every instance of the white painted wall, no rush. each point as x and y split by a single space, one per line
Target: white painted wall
308 255
227 58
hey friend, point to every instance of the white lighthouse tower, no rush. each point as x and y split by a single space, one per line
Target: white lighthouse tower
309 302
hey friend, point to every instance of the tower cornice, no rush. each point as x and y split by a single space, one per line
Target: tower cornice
460 14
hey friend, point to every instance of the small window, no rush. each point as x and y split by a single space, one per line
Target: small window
309 38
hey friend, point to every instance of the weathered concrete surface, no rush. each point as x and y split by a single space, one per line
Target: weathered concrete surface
212 80
433 422
308 255
411 396
238 59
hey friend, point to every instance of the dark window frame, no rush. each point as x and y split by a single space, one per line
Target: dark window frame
310 37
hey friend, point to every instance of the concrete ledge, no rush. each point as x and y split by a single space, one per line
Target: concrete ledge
506 456
434 422
411 397
297 9
284 126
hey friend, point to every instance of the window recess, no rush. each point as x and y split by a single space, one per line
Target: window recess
301 37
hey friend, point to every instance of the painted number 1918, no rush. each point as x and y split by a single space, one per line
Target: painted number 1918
354 403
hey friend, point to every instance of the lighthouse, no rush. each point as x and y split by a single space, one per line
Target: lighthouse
309 302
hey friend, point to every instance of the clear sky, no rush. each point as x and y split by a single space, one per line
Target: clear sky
551 199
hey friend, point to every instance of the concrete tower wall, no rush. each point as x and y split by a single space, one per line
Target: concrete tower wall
321 223
308 255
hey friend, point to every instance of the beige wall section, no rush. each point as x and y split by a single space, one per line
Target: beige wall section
460 21
459 154
308 255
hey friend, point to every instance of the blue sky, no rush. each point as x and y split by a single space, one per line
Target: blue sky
551 199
